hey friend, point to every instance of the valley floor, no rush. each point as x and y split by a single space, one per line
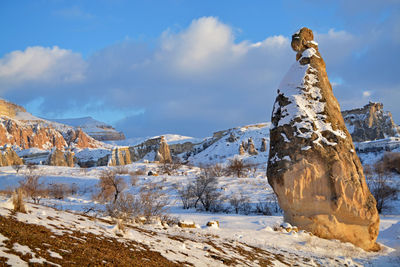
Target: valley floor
65 236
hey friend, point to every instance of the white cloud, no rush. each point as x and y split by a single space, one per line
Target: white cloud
203 45
366 93
40 64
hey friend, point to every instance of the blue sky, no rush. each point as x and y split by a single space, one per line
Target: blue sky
188 67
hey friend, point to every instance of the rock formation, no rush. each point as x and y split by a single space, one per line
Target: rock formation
263 147
163 154
312 165
370 123
241 149
8 157
120 156
251 148
61 158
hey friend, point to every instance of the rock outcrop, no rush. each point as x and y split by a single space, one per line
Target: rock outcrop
251 148
312 165
9 157
61 158
263 147
241 149
163 154
120 156
370 123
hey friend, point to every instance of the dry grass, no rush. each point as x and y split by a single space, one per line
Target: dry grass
77 249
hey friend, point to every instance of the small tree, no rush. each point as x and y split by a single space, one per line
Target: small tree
378 180
205 191
216 170
237 167
32 187
239 203
186 193
111 186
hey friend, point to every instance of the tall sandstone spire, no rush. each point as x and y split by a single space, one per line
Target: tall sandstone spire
312 165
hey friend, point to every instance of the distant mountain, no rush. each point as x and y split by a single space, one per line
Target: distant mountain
96 129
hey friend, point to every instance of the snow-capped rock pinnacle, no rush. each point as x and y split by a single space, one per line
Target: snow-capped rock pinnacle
312 165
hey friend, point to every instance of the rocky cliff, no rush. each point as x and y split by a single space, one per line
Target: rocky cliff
312 165
22 129
370 123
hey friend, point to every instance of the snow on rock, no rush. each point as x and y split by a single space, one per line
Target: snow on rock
317 176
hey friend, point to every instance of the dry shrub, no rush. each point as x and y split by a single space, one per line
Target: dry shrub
170 168
240 203
110 185
237 167
121 169
216 170
58 191
150 203
8 192
18 201
32 187
139 172
380 185
391 161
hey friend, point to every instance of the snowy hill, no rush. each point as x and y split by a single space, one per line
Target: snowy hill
94 128
68 234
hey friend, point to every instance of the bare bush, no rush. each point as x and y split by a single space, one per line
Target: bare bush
206 192
139 172
170 168
150 203
240 204
237 167
187 196
380 185
17 168
58 191
121 169
263 207
391 161
84 170
31 167
153 202
32 187
73 189
216 170
110 185
18 201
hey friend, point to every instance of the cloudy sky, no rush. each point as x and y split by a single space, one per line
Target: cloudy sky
189 67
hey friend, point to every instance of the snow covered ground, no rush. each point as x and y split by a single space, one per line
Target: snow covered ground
247 230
